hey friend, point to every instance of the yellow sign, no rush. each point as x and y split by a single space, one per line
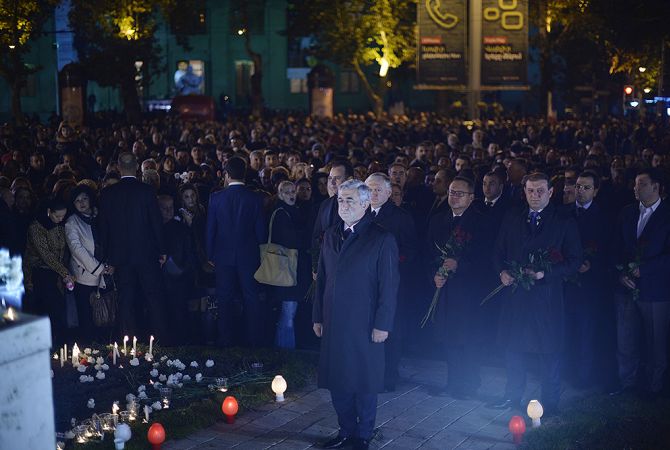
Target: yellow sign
444 19
510 19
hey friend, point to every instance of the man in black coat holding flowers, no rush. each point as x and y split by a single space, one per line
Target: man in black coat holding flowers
535 250
457 240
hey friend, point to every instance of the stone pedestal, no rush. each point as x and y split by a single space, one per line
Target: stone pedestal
26 399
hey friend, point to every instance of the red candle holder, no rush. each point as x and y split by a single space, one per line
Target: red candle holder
229 407
156 435
517 426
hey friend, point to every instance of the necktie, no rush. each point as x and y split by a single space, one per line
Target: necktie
346 234
374 213
533 217
580 211
488 203
642 221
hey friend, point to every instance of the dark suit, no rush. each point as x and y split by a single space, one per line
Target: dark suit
586 296
235 228
325 218
400 223
458 316
130 232
532 321
357 286
650 315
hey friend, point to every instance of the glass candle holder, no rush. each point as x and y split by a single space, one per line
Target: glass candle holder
80 432
166 396
124 416
222 384
107 421
96 426
133 408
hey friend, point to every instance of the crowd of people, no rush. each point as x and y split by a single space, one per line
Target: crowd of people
569 216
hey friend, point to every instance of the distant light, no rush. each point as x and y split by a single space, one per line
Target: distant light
12 46
667 112
647 90
628 90
642 69
241 31
634 103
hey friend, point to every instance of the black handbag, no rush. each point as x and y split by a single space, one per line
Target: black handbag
104 304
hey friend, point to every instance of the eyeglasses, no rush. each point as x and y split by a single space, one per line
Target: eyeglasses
459 194
583 187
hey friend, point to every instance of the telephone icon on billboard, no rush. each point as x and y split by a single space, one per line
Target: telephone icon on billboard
443 19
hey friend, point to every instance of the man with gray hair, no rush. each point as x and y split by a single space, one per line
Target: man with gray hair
401 224
354 308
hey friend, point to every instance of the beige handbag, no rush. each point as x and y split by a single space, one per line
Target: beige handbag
279 265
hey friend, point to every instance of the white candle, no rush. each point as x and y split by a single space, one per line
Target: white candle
146 413
75 355
115 415
125 340
65 351
151 345
134 346
62 357
114 351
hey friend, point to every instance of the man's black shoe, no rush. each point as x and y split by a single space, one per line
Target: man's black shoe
503 404
362 444
339 442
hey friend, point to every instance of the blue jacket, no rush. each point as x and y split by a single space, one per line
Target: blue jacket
235 227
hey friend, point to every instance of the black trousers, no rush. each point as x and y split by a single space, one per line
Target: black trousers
48 299
229 281
142 302
517 368
356 413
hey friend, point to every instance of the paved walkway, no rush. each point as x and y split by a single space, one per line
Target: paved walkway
407 419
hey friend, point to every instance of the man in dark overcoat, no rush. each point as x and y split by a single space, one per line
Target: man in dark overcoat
401 224
458 318
354 308
532 321
587 296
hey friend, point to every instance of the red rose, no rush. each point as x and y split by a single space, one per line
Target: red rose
555 256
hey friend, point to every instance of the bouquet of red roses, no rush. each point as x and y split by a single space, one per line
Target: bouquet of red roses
453 249
540 260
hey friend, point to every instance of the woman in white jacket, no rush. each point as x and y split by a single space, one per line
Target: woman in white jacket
79 235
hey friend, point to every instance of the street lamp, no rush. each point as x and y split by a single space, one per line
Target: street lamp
642 69
647 90
12 46
383 67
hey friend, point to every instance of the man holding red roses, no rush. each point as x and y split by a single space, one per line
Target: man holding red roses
532 319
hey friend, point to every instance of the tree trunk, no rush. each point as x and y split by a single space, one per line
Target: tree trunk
376 99
131 101
16 102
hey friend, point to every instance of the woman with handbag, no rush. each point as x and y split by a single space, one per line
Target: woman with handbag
286 229
46 276
90 284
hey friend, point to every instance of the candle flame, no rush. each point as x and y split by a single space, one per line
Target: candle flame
11 315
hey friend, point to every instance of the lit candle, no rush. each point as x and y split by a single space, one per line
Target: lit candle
114 352
151 345
134 346
65 351
10 315
75 355
115 415
146 413
62 358
125 340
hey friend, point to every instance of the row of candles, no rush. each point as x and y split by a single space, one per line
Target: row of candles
76 352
